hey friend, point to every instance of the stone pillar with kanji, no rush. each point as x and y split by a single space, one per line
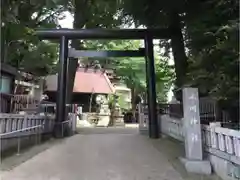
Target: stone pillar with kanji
193 159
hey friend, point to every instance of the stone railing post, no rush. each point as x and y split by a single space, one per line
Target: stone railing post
143 121
74 122
192 130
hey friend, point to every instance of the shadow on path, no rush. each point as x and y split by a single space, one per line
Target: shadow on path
10 162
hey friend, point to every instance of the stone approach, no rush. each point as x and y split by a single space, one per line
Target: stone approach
109 154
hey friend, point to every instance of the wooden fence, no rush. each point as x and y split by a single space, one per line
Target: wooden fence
14 103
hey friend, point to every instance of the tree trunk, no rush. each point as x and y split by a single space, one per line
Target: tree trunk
180 58
81 16
80 19
133 95
90 103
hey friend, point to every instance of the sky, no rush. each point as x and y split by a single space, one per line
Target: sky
67 22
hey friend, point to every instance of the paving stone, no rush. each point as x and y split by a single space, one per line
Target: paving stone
98 156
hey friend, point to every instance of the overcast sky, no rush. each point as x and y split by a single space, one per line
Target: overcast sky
67 22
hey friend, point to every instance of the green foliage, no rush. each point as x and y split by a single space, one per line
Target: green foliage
23 50
19 21
212 39
211 33
103 14
43 55
121 101
165 77
112 101
152 13
132 70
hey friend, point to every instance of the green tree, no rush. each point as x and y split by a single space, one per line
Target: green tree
162 14
165 78
132 70
211 33
212 39
19 21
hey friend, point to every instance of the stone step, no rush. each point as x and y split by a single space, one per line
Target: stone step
119 124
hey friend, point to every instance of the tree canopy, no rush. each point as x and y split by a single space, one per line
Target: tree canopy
132 70
211 33
208 29
20 47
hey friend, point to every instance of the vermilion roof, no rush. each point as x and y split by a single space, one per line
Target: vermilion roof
90 81
86 81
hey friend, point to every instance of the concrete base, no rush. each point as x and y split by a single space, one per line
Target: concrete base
84 123
224 168
103 121
143 132
197 166
131 125
119 124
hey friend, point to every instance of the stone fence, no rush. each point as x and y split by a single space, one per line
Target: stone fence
220 141
19 129
221 145
172 127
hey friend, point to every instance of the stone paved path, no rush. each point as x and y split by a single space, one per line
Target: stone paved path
98 155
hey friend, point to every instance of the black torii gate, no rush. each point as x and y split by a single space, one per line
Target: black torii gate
64 35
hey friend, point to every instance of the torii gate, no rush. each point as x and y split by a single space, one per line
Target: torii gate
64 35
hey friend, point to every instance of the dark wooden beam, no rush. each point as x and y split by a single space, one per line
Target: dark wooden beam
103 33
87 53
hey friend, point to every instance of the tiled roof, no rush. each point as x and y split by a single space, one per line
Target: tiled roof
86 81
